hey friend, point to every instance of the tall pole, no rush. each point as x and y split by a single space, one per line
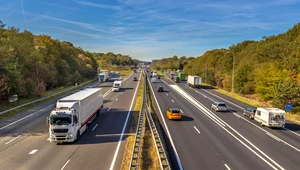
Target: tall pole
206 73
232 85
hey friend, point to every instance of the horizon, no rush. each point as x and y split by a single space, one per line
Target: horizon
149 29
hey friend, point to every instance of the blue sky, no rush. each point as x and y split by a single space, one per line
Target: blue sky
152 29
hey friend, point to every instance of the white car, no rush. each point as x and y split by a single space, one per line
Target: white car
219 106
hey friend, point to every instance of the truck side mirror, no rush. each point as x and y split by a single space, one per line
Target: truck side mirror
47 120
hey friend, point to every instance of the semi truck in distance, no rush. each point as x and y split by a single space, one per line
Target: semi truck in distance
181 76
194 81
117 86
103 76
72 115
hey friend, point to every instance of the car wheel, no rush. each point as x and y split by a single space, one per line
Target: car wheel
244 114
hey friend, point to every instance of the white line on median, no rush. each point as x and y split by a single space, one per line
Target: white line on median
33 152
65 164
167 129
227 166
12 140
25 117
95 127
272 136
196 129
124 127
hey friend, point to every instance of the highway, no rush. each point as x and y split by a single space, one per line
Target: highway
205 139
24 140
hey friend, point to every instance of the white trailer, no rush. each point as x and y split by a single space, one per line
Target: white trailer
117 86
194 81
103 76
73 114
271 117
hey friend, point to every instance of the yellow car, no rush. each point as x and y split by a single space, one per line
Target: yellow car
174 113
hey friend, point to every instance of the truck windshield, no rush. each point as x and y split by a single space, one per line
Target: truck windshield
60 120
116 85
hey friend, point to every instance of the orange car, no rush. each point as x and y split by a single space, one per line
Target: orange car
174 113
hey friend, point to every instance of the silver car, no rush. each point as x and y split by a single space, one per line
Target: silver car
219 106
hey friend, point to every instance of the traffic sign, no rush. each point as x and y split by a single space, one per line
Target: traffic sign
288 101
288 106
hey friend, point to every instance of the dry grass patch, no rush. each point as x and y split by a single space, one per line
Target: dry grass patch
293 117
132 130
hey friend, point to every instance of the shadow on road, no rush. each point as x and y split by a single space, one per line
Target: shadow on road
293 127
186 118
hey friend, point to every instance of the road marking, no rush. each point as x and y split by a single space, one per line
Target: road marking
65 164
211 115
167 94
272 136
181 110
124 127
25 117
108 109
235 114
167 129
95 127
12 140
117 99
121 93
33 152
227 166
196 129
292 131
173 101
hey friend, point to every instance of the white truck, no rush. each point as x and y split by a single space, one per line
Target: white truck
103 76
194 81
271 117
117 86
72 115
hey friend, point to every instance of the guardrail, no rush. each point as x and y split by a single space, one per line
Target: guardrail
136 152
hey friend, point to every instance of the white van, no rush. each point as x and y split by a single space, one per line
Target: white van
271 117
116 86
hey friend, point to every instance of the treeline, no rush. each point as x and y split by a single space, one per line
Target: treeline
31 64
269 67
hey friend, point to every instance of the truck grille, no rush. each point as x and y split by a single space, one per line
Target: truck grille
60 130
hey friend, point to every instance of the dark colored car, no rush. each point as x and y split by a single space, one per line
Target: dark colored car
151 76
158 77
160 89
134 79
250 112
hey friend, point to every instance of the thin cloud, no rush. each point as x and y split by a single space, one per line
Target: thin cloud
81 24
24 14
96 5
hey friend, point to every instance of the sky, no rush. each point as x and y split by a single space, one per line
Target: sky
152 29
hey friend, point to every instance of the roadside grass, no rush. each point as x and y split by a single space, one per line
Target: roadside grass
125 73
133 125
50 92
254 101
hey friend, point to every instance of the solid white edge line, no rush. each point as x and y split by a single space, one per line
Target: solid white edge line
227 166
95 127
12 140
25 117
124 127
237 134
33 152
291 131
65 164
171 140
196 129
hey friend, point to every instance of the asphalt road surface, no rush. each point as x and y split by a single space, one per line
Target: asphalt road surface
205 139
24 136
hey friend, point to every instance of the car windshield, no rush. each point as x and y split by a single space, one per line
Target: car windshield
175 111
61 120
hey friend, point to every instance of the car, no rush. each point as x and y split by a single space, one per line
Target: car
219 106
150 76
158 76
160 89
134 79
250 112
172 77
174 113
